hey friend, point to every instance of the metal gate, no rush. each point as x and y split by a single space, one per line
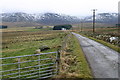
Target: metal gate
35 66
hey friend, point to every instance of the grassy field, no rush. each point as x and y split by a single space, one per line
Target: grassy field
73 61
20 24
26 42
90 25
33 28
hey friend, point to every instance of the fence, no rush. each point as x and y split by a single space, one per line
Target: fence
35 66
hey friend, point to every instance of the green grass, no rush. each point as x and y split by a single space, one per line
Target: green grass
45 29
25 43
25 48
73 61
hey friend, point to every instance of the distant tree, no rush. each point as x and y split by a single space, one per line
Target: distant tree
117 25
59 27
3 26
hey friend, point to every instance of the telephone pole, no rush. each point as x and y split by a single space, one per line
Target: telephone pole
94 19
81 26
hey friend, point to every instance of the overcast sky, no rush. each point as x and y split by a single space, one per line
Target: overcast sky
69 7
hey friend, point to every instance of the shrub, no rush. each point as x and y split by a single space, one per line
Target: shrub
59 27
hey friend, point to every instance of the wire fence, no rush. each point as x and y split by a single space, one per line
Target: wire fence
35 66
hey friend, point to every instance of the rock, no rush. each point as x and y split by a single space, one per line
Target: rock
6 46
59 46
112 39
37 51
44 47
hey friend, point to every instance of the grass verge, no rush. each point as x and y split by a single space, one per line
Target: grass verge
73 61
116 48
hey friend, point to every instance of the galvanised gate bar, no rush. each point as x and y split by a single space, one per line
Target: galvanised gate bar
35 66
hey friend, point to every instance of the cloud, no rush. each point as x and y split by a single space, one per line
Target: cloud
72 7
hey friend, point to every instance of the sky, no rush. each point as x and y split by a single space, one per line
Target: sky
68 7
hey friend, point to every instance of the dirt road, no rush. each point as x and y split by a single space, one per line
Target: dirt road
103 60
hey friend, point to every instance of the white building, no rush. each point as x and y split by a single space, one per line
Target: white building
63 28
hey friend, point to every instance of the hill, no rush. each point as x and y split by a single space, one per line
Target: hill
109 18
20 19
45 19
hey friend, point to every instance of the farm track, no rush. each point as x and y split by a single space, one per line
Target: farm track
103 60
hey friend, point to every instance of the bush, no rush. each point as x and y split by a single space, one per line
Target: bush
3 27
59 27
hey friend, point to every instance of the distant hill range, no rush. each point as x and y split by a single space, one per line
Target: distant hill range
54 18
45 19
108 18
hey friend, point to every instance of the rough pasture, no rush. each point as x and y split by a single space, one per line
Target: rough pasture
17 43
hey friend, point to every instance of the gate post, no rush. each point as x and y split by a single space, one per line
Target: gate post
58 61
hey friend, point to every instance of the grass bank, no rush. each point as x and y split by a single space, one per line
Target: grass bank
73 61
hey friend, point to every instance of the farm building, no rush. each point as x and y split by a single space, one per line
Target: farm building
3 26
62 27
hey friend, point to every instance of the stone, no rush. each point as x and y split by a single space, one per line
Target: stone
44 47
